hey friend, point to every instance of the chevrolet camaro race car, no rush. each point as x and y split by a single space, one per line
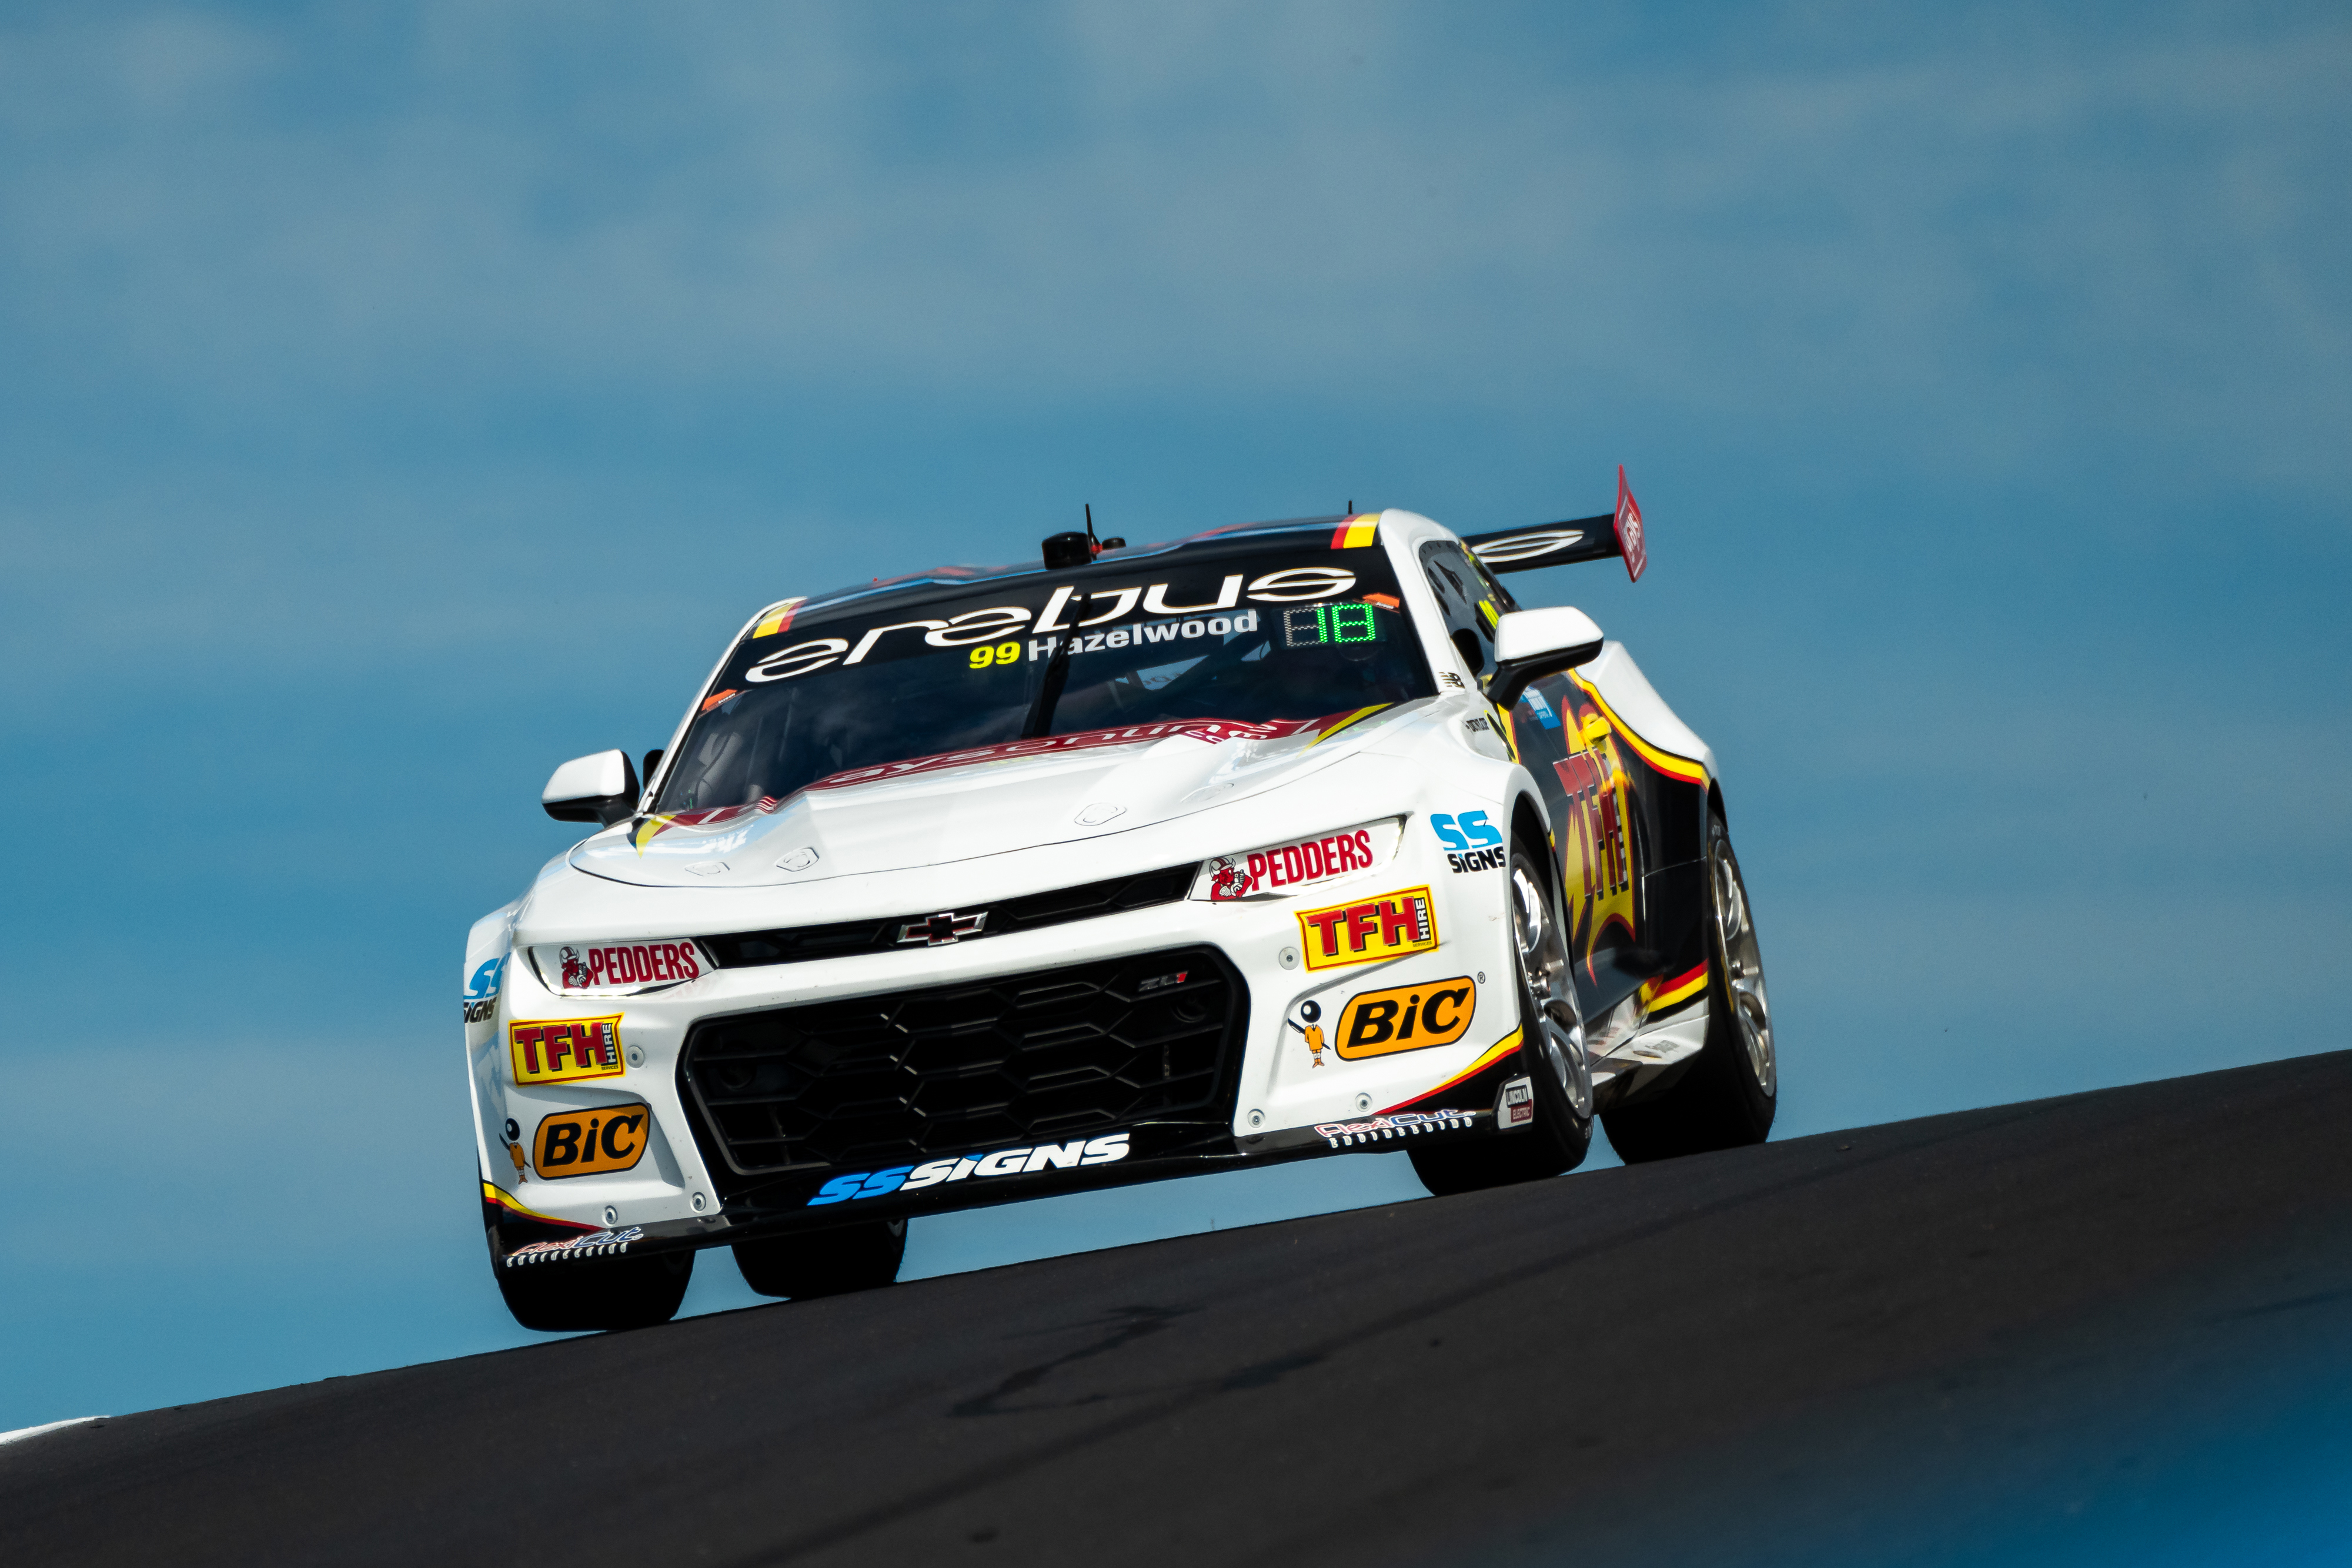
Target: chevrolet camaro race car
1290 838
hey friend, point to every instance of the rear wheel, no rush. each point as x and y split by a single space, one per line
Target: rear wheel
596 1293
1552 1048
825 1262
1728 1097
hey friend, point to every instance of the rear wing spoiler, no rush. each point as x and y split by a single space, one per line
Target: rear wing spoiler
1617 533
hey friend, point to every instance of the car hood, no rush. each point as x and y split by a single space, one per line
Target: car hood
935 809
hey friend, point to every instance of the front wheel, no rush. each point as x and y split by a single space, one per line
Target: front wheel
1728 1097
595 1292
1551 1047
828 1262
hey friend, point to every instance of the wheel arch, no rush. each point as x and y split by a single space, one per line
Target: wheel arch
1528 821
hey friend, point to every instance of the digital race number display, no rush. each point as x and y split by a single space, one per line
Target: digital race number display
1314 625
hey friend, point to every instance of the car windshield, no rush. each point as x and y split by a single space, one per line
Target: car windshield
1269 628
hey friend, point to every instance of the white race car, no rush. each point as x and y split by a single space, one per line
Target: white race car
988 883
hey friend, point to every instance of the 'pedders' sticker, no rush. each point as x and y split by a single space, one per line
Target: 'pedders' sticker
1280 868
578 967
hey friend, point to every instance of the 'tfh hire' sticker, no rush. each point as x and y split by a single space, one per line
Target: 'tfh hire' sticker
1386 926
561 1050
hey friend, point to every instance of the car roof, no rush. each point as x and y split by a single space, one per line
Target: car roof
914 585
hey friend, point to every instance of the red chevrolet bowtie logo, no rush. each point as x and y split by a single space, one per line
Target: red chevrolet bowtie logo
941 929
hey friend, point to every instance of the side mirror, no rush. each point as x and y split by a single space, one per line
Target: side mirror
1532 644
600 788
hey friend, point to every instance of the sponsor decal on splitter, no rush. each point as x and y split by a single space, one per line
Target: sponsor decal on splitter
1407 1018
595 1244
1402 1124
561 1050
1387 927
1101 1151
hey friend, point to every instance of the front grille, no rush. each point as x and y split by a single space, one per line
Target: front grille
1043 1057
800 944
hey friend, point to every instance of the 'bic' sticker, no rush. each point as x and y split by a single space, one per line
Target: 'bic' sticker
1382 927
566 1049
1408 1018
584 1142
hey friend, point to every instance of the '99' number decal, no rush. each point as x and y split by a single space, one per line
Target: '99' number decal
1000 653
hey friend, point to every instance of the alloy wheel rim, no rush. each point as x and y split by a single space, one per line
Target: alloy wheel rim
1743 968
1551 997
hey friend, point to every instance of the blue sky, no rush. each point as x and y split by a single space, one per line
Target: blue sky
396 402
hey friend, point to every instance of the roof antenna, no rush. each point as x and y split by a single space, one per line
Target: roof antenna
1099 545
1352 505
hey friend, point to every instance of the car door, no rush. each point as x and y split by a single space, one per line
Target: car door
1589 780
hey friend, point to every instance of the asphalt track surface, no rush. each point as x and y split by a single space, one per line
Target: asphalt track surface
1687 1360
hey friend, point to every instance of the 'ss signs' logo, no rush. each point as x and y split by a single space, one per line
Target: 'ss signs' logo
1102 1151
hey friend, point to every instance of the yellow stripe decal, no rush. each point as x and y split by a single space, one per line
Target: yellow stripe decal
1357 716
1683 767
505 1200
1510 732
1657 994
1487 1059
778 617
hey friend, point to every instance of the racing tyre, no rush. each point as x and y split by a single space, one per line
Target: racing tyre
1551 1050
1729 1095
597 1292
825 1262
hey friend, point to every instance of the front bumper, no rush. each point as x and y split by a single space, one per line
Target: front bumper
1279 1092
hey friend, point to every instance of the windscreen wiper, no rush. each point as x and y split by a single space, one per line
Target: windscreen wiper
1049 692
